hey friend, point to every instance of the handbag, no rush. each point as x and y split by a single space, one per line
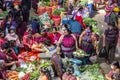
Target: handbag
102 52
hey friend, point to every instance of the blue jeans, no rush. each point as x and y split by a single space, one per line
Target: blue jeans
90 6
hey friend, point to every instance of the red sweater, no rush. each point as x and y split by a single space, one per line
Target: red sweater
54 37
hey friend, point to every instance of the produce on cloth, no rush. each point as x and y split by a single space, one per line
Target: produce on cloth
31 72
92 72
80 53
93 23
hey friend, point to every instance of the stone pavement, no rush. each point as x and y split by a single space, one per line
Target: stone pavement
99 17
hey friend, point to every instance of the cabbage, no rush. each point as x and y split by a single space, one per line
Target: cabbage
21 75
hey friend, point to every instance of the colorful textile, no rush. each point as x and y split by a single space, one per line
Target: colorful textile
57 61
87 45
54 37
2 41
111 35
10 37
68 77
68 46
80 20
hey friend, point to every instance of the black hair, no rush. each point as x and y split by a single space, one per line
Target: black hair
5 46
80 8
113 23
12 6
54 28
12 43
35 20
66 27
47 42
89 26
116 63
46 72
70 70
1 32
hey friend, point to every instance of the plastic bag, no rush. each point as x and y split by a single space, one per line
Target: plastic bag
103 52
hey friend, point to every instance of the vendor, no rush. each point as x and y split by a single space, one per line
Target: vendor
38 45
44 74
57 64
114 74
54 36
2 40
28 41
5 64
87 40
68 42
13 36
68 75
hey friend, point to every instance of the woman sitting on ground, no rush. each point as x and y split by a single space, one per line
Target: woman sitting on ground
68 75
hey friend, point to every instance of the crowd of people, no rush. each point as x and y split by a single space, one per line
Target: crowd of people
18 35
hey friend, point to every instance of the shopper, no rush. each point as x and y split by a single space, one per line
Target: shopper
110 41
44 74
68 75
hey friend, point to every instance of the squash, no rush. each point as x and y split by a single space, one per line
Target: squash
116 9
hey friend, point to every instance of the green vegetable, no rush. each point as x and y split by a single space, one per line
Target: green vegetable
89 21
84 2
21 69
58 11
4 14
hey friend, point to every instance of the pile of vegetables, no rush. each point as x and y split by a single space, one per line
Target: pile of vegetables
89 21
84 2
45 63
44 3
3 14
33 69
45 18
12 75
80 53
96 30
93 23
58 11
91 72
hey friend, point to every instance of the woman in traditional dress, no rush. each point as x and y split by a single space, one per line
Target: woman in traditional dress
87 41
57 64
28 41
110 16
54 36
68 75
13 36
67 42
45 74
2 39
78 15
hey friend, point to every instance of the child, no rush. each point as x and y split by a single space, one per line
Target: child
115 73
44 74
68 75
